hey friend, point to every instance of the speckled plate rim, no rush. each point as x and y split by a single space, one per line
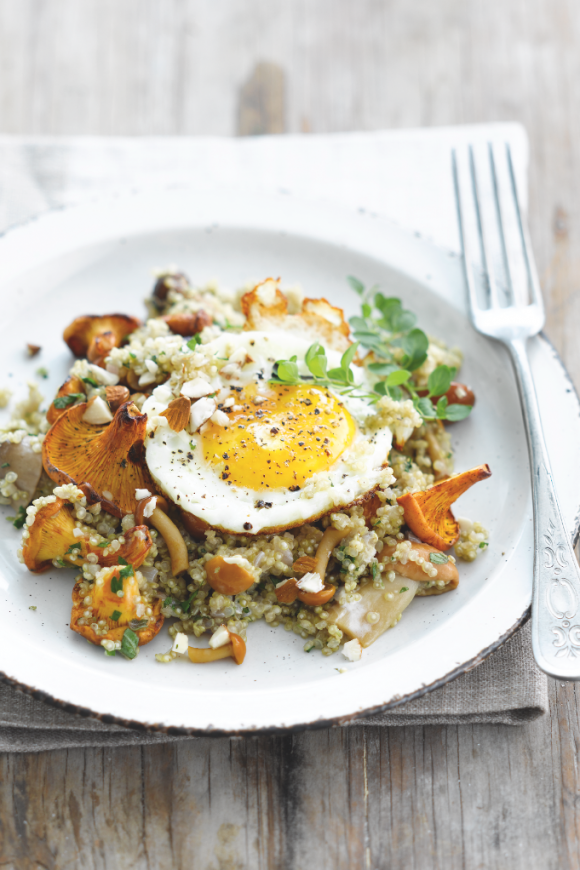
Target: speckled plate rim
41 229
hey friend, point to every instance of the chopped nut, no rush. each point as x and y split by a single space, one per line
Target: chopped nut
177 413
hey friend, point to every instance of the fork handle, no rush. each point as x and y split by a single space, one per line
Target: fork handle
556 590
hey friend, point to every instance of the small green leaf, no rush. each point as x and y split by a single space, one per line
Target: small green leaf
425 407
401 376
438 558
348 356
90 381
356 285
483 545
287 372
382 369
122 561
129 644
110 652
458 412
115 615
5 465
187 603
442 408
439 381
374 570
116 585
42 372
72 548
168 602
415 345
65 401
403 589
366 309
125 572
193 342
103 544
315 359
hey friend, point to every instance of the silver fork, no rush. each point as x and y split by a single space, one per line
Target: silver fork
556 589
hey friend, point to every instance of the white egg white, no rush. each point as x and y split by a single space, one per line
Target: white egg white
177 464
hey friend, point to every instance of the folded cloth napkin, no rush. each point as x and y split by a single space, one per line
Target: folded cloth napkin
403 175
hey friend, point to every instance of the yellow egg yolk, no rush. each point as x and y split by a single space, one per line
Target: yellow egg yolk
297 431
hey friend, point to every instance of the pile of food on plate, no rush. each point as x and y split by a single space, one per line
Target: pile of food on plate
241 457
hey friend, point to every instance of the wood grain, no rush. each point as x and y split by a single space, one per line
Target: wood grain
414 798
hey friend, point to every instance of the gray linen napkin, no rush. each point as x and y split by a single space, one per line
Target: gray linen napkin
37 174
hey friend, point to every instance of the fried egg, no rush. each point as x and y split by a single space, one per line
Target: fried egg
264 456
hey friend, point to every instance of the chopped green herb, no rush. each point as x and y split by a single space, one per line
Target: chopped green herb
126 572
65 401
136 624
408 465
110 652
187 603
192 445
168 602
129 644
122 561
116 585
61 563
374 570
132 355
198 617
438 558
154 358
32 607
245 610
72 548
193 342
483 545
42 372
103 544
91 381
116 615
403 589
5 465
20 518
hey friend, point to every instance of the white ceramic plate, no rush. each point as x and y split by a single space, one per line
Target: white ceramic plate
99 258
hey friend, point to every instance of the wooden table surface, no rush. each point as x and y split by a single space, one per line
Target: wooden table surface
425 797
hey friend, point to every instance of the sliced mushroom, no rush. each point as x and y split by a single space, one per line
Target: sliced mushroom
176 281
230 575
111 458
22 460
235 648
446 579
375 611
428 514
52 536
104 604
93 336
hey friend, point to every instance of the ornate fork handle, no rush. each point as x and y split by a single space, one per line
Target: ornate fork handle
556 592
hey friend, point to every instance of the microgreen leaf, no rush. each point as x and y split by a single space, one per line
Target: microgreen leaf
425 407
348 356
315 359
356 285
440 380
399 376
442 408
458 412
415 345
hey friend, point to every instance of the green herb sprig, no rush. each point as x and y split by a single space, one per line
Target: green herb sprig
70 399
388 330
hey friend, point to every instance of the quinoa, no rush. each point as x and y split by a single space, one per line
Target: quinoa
152 355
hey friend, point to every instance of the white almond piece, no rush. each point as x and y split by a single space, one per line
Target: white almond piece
180 644
150 507
230 368
220 419
196 389
201 411
102 376
142 493
98 412
352 650
219 637
146 379
310 583
151 366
